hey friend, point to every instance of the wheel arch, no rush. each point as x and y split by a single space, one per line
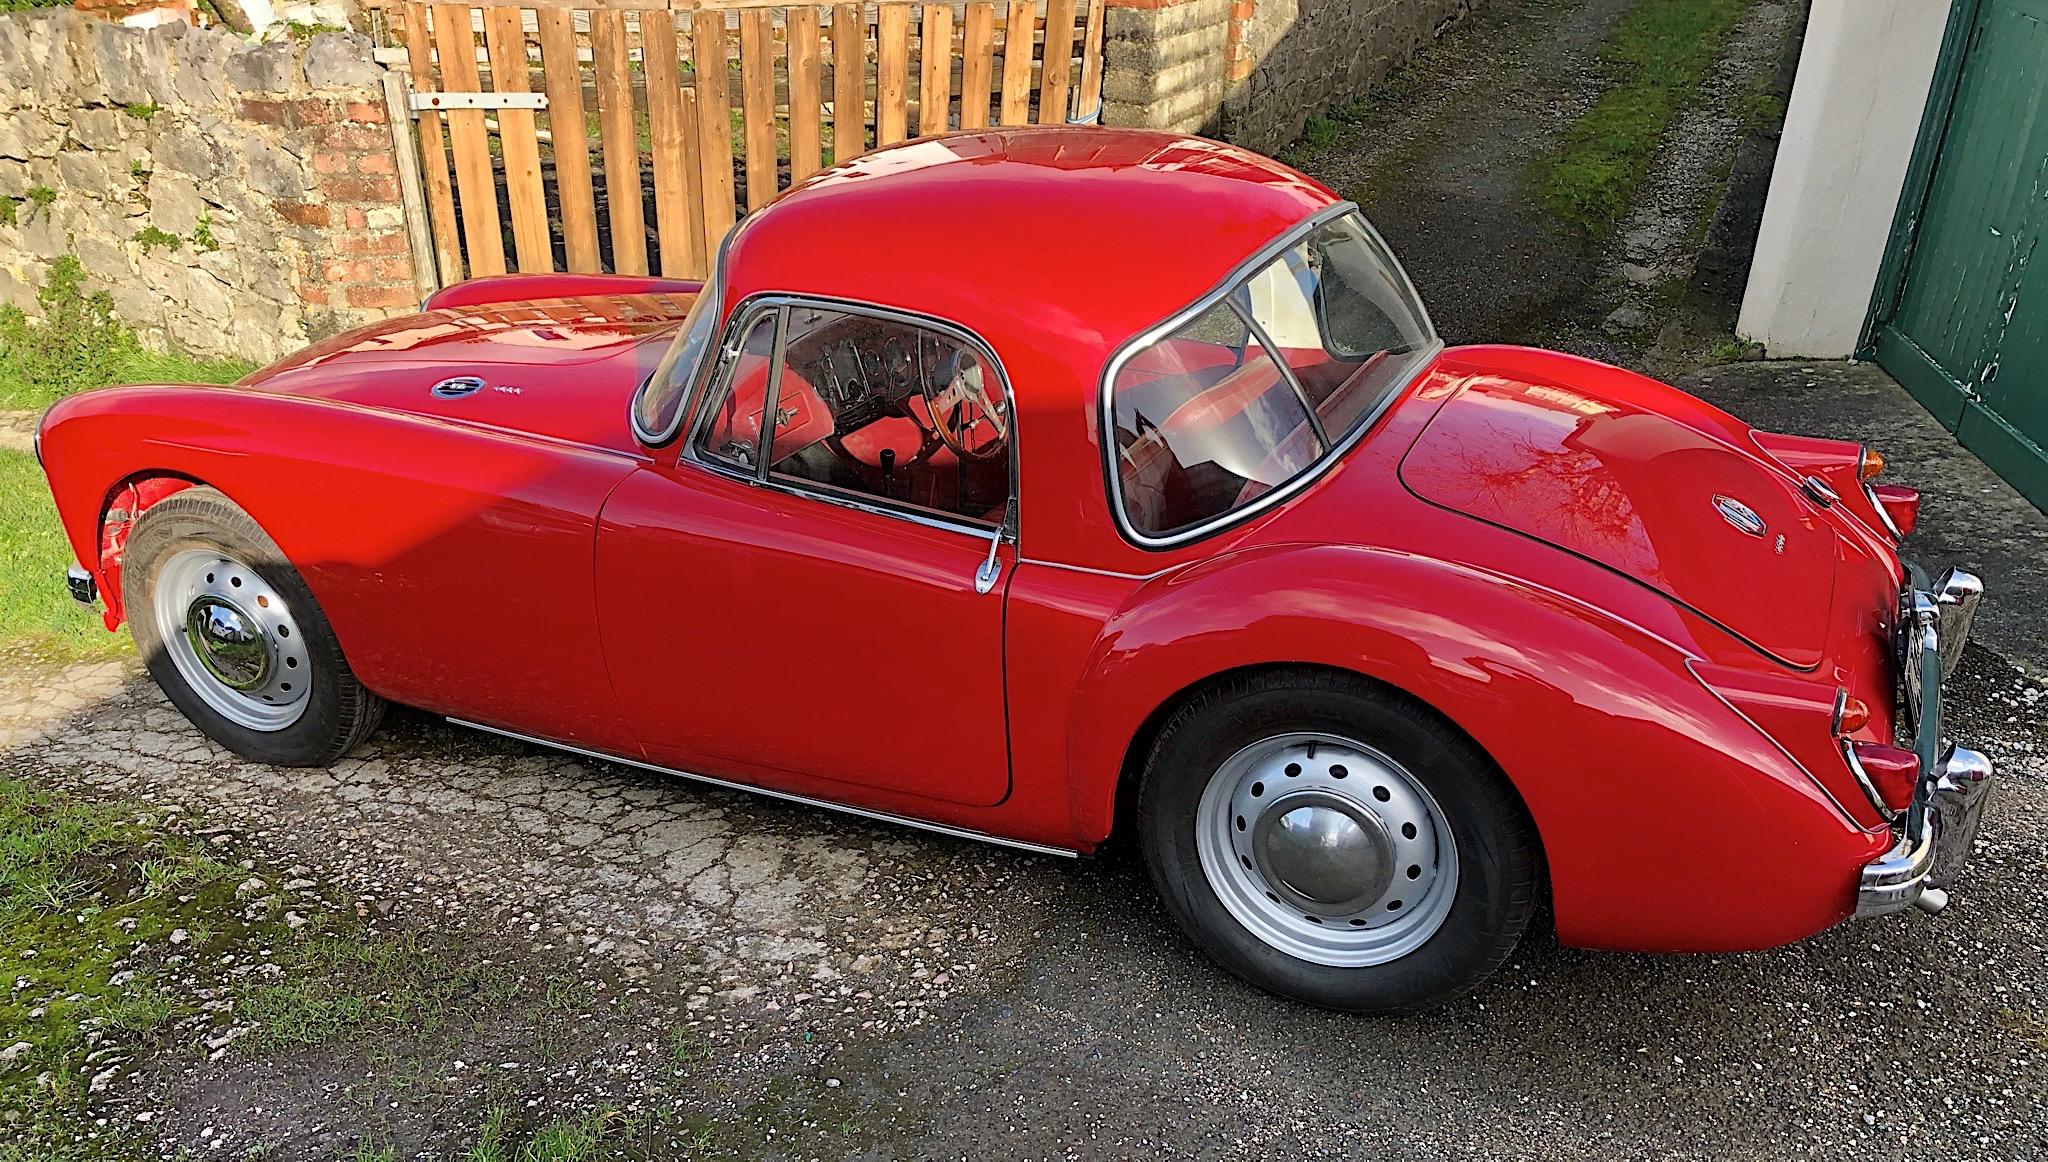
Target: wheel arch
123 504
1130 773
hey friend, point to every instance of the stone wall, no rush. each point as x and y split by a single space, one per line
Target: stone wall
1253 71
234 198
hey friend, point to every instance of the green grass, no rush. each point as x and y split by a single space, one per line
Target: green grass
38 619
1660 52
77 913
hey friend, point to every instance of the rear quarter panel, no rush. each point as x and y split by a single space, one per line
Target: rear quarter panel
454 562
1660 809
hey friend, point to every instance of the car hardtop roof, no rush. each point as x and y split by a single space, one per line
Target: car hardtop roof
1022 235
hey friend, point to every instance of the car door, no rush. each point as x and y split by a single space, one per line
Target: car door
811 607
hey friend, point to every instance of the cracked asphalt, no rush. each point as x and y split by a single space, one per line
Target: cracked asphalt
945 992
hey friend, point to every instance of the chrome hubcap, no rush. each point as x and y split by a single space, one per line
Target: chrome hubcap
1327 850
225 640
232 638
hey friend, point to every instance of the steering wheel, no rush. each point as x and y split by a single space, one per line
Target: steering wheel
965 413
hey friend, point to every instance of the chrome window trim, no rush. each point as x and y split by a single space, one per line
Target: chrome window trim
1332 452
714 287
745 316
785 796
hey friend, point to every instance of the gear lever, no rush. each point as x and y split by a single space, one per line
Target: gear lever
889 472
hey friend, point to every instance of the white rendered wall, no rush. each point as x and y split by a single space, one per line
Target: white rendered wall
1849 131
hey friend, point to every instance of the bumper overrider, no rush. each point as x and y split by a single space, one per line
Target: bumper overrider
1937 830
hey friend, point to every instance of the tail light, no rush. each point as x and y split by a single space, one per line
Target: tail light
1888 773
1851 714
1869 465
1899 505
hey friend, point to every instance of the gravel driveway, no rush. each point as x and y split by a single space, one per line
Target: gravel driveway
935 992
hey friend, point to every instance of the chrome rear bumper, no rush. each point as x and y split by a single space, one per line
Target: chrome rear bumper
1939 828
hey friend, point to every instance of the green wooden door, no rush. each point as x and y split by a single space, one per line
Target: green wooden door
1967 331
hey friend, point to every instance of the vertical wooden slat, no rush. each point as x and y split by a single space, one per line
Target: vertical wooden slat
978 45
805 116
563 76
419 52
935 70
412 193
892 74
505 40
705 244
849 82
757 101
714 121
469 142
1057 69
621 141
681 246
1091 62
1022 23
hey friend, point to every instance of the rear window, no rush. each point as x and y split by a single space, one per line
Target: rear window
1259 386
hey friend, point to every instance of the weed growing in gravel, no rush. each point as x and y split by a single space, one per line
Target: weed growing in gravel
345 984
1660 52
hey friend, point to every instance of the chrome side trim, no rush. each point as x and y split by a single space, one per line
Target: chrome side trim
785 796
1106 404
1877 802
1870 494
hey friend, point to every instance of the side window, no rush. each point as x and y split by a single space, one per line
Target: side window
869 406
1205 422
884 408
732 426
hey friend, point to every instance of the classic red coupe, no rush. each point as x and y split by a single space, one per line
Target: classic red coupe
1027 485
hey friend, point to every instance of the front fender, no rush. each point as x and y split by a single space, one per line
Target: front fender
1668 821
405 529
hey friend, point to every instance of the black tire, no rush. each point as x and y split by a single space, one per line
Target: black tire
339 712
1500 860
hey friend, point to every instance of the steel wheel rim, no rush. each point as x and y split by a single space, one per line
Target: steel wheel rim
232 638
1327 850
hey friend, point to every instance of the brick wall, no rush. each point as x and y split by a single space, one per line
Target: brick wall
234 198
1254 71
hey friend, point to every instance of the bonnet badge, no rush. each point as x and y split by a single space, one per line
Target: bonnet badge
457 387
1740 515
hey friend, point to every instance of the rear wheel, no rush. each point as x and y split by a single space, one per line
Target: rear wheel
1331 840
234 638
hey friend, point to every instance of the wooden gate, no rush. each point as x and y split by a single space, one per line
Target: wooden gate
1961 316
628 136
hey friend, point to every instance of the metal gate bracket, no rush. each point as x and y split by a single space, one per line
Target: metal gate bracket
424 101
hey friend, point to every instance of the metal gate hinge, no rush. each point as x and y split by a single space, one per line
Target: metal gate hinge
424 101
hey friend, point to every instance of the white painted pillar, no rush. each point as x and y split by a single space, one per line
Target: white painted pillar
1864 73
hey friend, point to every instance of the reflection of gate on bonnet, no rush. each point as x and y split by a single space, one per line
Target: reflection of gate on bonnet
559 136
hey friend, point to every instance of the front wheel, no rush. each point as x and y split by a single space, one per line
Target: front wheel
233 636
1333 841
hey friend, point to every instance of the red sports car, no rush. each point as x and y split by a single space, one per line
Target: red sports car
1036 484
